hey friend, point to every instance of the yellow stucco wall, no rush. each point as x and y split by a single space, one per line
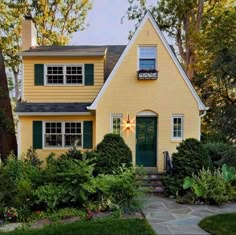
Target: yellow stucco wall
26 132
166 96
61 93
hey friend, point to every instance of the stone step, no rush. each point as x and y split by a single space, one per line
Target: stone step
152 184
158 190
149 177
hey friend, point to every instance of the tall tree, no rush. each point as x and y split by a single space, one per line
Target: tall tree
55 20
216 70
7 131
181 19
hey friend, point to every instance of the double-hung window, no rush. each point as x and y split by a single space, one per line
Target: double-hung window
177 127
147 58
116 124
62 134
64 74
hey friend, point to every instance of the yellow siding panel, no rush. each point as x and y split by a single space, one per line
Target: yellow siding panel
61 93
166 96
26 133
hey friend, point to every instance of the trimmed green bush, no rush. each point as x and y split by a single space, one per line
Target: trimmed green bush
111 154
189 158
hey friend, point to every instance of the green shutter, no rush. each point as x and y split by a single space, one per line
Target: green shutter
89 74
88 135
38 74
37 134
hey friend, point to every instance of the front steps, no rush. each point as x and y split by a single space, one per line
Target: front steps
151 182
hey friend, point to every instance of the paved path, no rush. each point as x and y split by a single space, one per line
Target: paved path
168 217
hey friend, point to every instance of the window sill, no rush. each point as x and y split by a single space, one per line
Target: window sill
177 140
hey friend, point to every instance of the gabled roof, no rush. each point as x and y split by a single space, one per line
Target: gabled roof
112 52
148 16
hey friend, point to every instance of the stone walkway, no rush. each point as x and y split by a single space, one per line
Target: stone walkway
167 217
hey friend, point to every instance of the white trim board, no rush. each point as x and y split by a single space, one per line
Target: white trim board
148 16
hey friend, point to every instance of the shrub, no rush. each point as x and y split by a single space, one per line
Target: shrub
211 187
32 158
120 189
49 196
221 153
189 158
17 179
112 153
73 175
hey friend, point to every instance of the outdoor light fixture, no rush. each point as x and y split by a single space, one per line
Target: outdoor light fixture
128 124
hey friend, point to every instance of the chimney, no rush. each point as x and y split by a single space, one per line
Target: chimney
29 33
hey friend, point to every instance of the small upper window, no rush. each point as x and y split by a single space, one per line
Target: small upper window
64 74
177 127
116 121
147 58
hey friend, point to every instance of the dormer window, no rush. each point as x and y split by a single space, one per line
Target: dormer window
64 74
147 58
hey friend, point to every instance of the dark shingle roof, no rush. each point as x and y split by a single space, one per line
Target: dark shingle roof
51 107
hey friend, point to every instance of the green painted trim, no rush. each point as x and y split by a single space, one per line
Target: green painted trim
37 134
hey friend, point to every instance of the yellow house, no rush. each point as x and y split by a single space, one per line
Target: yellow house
74 95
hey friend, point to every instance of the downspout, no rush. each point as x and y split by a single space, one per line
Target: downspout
200 117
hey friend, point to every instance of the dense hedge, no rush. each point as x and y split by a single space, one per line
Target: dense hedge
189 158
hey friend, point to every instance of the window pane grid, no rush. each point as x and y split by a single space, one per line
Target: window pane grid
66 134
177 127
64 74
116 125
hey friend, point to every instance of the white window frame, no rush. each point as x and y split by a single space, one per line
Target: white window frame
181 116
139 56
63 134
64 75
120 116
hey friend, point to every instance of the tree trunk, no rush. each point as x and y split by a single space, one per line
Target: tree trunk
7 130
16 84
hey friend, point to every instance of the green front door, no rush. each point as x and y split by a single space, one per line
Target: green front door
146 141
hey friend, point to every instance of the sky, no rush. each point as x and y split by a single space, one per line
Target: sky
105 24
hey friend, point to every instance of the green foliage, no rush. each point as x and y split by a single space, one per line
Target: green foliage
57 215
189 158
73 175
65 181
32 158
119 189
211 187
73 153
17 179
221 153
49 196
111 154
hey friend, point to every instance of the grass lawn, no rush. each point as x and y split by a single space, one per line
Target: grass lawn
98 227
222 224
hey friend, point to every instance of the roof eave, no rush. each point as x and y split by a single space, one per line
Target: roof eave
67 54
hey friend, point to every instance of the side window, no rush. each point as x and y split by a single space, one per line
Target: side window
147 58
116 124
177 127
